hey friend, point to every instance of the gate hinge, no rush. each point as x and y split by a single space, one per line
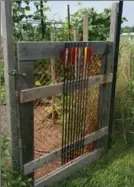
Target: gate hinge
14 72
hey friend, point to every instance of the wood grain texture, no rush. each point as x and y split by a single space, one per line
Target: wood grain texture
113 21
115 27
69 168
105 93
32 94
85 27
11 99
28 51
55 155
26 114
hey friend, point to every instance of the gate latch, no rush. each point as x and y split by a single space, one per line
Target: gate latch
14 72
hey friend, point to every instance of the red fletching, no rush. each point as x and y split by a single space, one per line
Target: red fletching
63 55
72 52
69 56
73 55
89 53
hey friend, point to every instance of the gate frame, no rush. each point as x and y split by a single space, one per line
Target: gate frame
28 52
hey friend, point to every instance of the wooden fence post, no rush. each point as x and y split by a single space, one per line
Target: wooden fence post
26 111
10 83
105 93
115 28
107 67
85 27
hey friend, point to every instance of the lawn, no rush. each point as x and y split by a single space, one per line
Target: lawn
115 169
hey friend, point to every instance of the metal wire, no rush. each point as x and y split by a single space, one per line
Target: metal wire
64 104
75 100
80 98
72 100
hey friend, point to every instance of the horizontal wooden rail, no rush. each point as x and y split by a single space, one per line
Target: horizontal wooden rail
69 168
41 50
55 155
52 90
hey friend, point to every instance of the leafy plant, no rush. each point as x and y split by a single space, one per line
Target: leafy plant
25 30
2 95
98 24
2 73
10 178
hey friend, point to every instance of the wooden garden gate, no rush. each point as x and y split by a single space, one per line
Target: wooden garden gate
84 77
86 73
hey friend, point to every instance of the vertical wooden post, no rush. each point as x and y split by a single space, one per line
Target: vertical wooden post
26 112
53 76
11 98
85 27
75 36
113 21
105 93
115 28
108 63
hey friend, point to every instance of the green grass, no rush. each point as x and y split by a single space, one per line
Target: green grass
115 169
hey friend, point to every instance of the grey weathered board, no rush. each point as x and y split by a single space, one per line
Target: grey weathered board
11 99
85 27
56 89
28 51
55 155
69 168
113 35
26 113
105 91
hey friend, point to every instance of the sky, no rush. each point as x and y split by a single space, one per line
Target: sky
59 8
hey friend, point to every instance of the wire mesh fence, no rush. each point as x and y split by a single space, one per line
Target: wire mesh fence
48 112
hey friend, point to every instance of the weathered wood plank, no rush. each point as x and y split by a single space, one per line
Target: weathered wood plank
115 29
26 114
69 168
85 27
105 93
11 99
56 89
28 51
55 155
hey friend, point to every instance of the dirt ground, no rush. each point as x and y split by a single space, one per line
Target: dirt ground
47 137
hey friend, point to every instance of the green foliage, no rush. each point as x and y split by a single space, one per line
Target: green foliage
2 73
10 178
98 24
2 95
24 30
20 13
128 29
